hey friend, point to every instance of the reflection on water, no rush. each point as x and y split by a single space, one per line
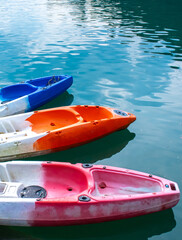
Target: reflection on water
137 228
122 37
94 151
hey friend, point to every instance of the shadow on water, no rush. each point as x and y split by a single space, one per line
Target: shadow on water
142 228
94 151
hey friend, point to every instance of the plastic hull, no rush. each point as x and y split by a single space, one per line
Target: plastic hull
77 194
57 129
27 96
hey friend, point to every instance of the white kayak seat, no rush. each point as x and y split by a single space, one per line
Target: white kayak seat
10 189
6 127
7 130
10 129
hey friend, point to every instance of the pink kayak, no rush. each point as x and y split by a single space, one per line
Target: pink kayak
52 193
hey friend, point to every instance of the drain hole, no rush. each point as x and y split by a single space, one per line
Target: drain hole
172 186
70 189
102 185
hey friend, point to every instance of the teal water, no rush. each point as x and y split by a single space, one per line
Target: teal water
121 53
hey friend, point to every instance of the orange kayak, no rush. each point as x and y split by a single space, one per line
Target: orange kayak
56 129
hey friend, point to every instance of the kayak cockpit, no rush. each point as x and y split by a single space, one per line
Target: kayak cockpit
108 183
43 121
46 81
41 180
64 180
92 113
15 91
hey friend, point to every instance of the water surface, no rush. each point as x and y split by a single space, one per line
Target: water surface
123 54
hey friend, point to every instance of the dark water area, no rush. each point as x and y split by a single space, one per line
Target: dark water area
123 54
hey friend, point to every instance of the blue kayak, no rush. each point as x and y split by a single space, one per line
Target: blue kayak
27 96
